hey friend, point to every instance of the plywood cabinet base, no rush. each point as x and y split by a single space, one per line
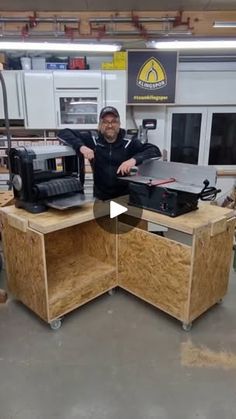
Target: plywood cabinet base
57 262
55 273
155 269
184 281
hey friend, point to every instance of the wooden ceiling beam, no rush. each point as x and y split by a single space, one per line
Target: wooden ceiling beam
201 23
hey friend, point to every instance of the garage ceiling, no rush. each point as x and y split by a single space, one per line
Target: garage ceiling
114 5
197 19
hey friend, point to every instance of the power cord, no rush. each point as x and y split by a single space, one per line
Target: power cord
208 193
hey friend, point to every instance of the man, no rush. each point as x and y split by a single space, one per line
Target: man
110 153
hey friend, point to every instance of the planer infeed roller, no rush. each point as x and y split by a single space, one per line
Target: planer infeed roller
47 176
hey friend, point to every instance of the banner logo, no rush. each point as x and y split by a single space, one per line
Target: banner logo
152 75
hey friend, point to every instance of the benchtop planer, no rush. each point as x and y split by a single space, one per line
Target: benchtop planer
47 176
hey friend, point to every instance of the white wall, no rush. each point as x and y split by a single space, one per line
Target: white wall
138 113
206 88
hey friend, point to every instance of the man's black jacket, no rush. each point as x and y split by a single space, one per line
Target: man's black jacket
108 157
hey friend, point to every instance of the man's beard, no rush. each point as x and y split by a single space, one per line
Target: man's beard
110 138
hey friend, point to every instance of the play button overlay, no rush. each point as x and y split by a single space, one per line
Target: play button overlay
116 209
108 213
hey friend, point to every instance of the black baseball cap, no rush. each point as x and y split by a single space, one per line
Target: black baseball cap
109 109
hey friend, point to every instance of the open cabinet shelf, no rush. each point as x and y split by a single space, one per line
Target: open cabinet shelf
73 278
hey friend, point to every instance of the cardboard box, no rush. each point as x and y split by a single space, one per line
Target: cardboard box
120 56
2 58
107 66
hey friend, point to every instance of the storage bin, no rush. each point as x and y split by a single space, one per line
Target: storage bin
56 66
25 63
78 63
38 63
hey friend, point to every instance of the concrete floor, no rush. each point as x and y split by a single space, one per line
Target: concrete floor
115 358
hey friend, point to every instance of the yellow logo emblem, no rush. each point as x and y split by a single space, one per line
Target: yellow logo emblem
152 75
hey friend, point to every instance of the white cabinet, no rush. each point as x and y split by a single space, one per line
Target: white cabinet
78 98
115 92
39 100
63 99
13 84
77 79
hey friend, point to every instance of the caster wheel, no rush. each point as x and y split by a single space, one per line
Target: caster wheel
3 296
220 301
187 327
111 292
55 324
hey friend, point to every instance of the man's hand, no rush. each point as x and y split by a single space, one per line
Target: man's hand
126 166
87 152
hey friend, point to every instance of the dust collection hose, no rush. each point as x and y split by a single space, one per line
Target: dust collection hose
7 125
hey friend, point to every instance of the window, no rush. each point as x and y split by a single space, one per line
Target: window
202 135
223 139
78 110
185 137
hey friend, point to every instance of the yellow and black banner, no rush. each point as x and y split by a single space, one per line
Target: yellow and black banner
151 77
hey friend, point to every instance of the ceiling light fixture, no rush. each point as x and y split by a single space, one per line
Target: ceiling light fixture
53 46
193 44
224 24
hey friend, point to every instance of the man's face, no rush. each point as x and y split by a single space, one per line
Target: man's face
109 126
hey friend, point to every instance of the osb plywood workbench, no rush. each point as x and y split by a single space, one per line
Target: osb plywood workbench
6 198
57 261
